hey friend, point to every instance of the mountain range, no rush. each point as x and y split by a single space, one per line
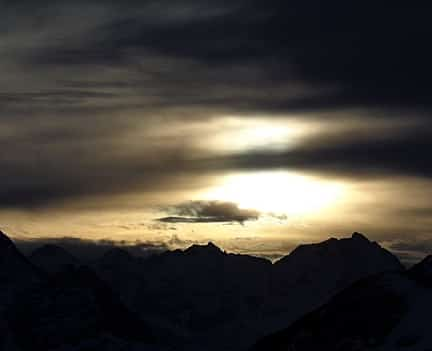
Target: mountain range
342 294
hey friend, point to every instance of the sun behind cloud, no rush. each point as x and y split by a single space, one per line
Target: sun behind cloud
277 192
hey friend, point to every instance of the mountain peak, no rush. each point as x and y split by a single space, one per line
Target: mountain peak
4 240
331 246
359 236
209 248
428 260
15 269
422 271
354 257
212 246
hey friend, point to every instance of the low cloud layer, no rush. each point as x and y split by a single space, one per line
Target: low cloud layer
209 212
87 250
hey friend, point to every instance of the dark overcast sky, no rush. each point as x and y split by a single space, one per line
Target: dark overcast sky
104 98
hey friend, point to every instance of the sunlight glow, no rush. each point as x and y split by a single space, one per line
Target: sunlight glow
240 134
262 136
278 192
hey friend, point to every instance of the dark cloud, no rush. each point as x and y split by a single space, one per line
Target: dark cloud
209 212
45 166
79 78
345 154
372 54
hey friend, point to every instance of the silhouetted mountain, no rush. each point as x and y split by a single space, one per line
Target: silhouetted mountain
52 258
16 272
311 274
191 291
122 271
202 298
71 307
389 311
360 316
422 271
12 261
16 275
204 292
332 264
204 250
317 271
202 287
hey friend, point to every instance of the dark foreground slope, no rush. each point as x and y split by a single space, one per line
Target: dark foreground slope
389 311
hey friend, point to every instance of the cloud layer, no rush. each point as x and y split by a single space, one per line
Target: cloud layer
101 98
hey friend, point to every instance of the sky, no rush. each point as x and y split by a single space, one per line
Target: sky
258 125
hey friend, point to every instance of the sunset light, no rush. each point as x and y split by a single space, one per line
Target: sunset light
280 192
